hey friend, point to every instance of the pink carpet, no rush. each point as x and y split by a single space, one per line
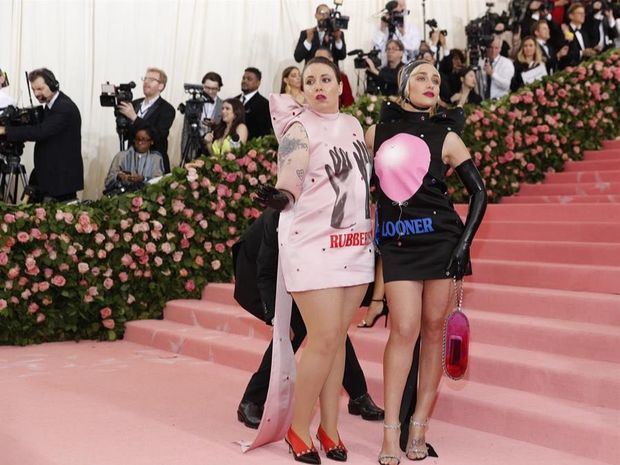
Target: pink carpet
543 385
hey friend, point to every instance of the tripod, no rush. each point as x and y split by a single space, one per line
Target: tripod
193 144
12 175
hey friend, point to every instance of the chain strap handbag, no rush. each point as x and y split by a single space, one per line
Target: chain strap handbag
456 338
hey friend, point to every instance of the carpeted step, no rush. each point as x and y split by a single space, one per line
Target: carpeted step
546 303
589 278
581 253
562 199
568 338
558 423
611 144
576 230
605 154
583 176
608 213
595 165
573 188
565 377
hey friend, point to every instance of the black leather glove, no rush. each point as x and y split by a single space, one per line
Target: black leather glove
270 313
269 196
471 179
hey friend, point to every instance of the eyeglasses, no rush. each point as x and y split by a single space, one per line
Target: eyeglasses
143 139
150 79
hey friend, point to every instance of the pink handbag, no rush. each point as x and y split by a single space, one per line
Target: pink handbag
456 338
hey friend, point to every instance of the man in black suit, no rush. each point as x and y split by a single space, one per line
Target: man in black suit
152 111
58 168
542 32
601 25
579 43
321 36
257 117
255 259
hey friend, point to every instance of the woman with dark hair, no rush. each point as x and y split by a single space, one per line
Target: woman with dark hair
423 243
529 57
468 93
346 98
326 251
231 131
291 84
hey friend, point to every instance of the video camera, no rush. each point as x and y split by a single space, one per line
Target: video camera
480 32
336 20
113 96
360 62
192 107
13 116
432 23
393 18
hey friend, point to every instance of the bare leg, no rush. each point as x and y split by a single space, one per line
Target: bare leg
405 300
435 306
378 293
330 394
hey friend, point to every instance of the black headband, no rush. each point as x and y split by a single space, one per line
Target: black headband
404 75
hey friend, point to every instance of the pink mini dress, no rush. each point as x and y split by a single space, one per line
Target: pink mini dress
326 237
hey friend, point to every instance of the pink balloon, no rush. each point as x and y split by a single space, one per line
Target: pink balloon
401 164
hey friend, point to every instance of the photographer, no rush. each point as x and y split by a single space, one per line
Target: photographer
496 72
211 111
58 168
323 35
394 24
601 25
152 111
131 168
387 77
437 41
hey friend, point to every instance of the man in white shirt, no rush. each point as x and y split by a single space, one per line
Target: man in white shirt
404 31
496 72
323 35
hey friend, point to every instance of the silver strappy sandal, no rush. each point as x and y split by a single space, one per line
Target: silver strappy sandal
384 459
418 446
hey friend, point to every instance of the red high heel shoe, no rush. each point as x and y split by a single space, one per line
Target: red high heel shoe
301 452
332 451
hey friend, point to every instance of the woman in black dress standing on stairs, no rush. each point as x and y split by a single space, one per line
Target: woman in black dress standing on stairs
423 242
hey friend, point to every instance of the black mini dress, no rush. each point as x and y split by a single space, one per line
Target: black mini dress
415 235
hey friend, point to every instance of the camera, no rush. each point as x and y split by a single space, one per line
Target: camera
360 62
192 107
393 18
432 23
13 116
480 32
336 20
113 96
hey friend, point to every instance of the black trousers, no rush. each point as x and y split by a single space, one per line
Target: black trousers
354 381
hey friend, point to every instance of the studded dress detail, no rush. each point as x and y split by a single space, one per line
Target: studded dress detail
417 226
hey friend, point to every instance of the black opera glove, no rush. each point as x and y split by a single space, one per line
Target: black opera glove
269 196
471 179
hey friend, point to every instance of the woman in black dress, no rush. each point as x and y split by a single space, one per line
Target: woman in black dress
423 242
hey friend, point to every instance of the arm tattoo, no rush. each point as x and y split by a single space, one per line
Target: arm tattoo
288 145
300 174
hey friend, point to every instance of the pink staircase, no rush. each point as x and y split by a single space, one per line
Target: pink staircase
544 307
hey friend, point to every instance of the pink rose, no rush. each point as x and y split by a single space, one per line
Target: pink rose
137 202
108 323
123 277
105 312
9 218
108 283
190 286
44 286
3 304
13 272
177 256
208 246
166 247
130 299
158 261
215 264
33 307
530 167
4 258
40 213
40 318
126 260
83 267
220 248
23 236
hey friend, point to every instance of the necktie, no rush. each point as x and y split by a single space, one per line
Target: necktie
487 91
243 99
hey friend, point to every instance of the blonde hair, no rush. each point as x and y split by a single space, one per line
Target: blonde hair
163 78
538 56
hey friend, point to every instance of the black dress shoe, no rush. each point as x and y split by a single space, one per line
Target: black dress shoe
249 414
365 407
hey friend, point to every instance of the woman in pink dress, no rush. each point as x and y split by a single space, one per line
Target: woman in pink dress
325 239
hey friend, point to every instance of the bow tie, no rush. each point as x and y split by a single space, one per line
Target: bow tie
578 29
